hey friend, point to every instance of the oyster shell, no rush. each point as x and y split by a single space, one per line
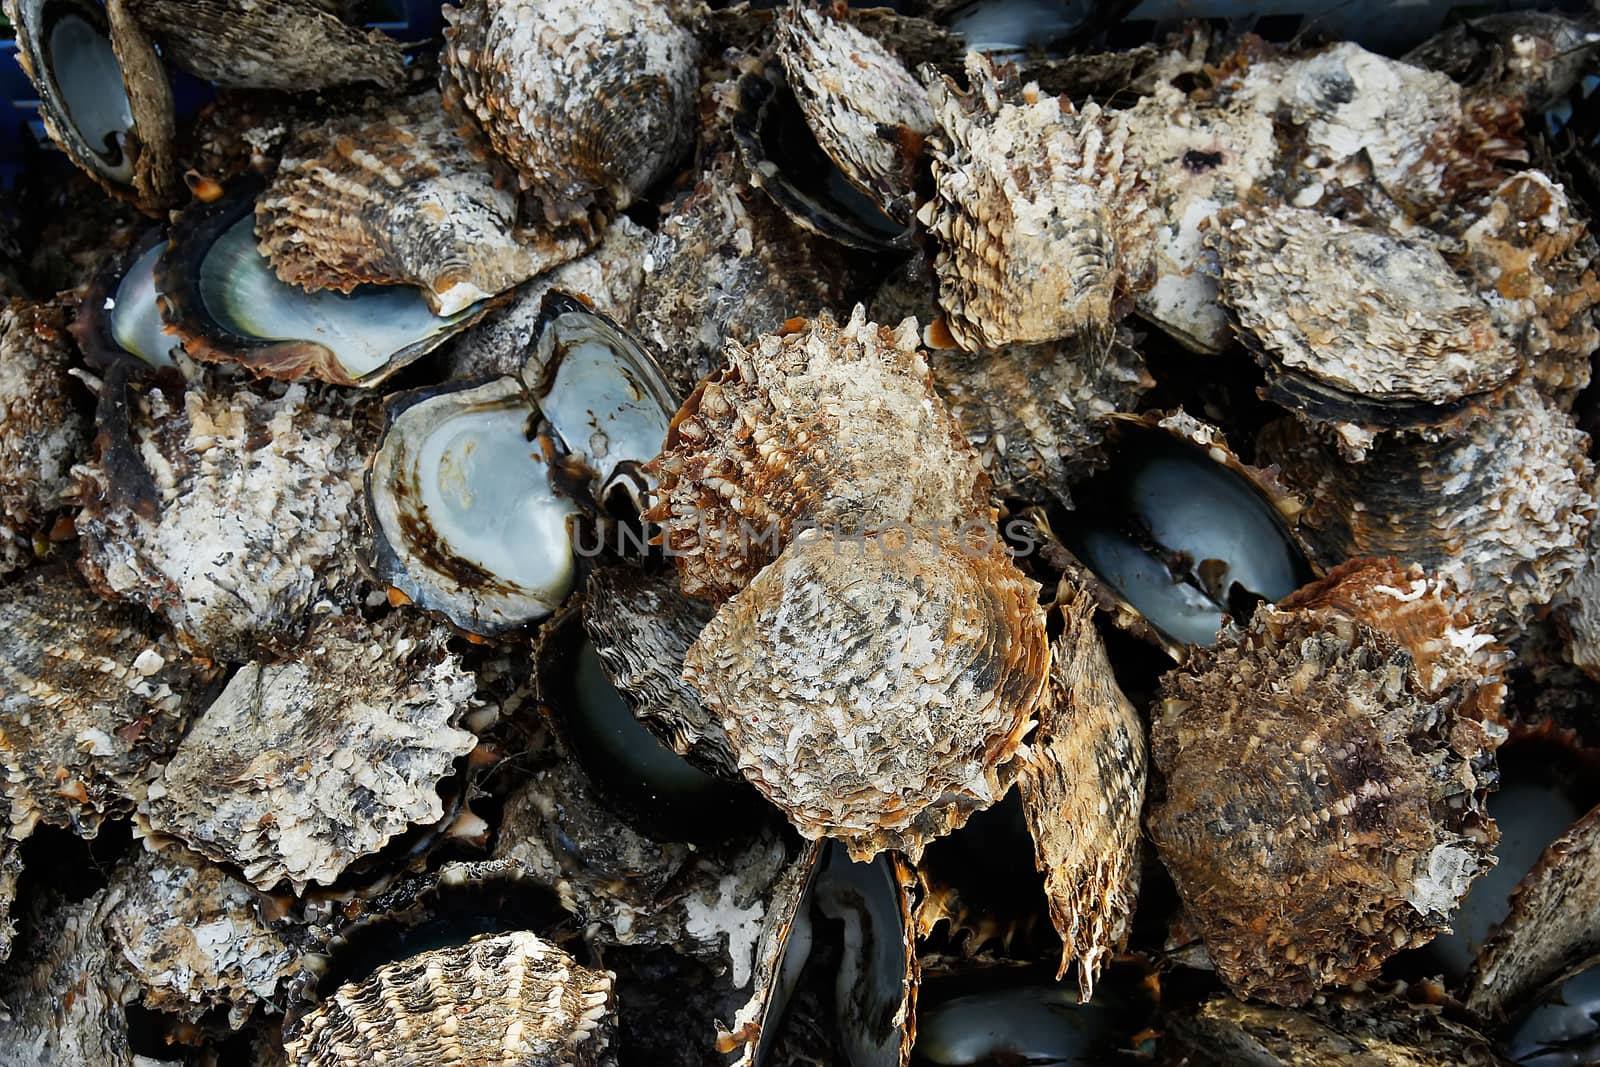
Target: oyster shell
42 430
1354 325
10 873
103 94
780 954
587 103
389 194
192 937
500 998
1537 56
92 699
292 45
1082 790
1359 824
823 425
120 315
300 768
877 691
1040 213
217 459
1502 510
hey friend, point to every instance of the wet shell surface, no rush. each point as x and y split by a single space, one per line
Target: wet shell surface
498 999
1503 510
292 45
1039 213
1082 791
218 458
299 768
1355 822
42 429
825 425
877 690
92 699
587 103
10 874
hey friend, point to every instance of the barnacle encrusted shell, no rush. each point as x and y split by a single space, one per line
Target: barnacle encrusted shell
192 936
299 768
878 689
1535 55
250 525
828 425
1082 790
1355 822
293 45
42 429
498 999
1576 610
587 103
92 698
1040 215
868 113
1355 325
1502 510
1035 412
390 194
10 873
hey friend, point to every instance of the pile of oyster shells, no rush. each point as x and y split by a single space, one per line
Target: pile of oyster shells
654 533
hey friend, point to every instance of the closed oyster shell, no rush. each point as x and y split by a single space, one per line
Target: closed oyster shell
1354 822
500 998
837 427
1082 790
300 768
92 699
1354 325
192 937
248 527
587 103
1537 56
1501 510
1040 214
293 45
390 194
10 873
877 690
42 429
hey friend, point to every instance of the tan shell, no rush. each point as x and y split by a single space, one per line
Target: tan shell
1353 821
390 194
1354 325
300 768
1035 413
1039 213
42 430
825 425
498 999
1083 790
588 103
877 690
1502 510
91 699
293 45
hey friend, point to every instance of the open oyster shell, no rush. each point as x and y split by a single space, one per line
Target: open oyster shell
500 998
587 103
300 768
103 94
1083 789
826 425
119 314
1040 213
93 698
390 194
292 45
218 458
877 690
1360 822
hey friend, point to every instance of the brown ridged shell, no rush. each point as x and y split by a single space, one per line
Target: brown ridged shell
498 999
1083 789
877 690
390 194
1351 819
825 425
1039 213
